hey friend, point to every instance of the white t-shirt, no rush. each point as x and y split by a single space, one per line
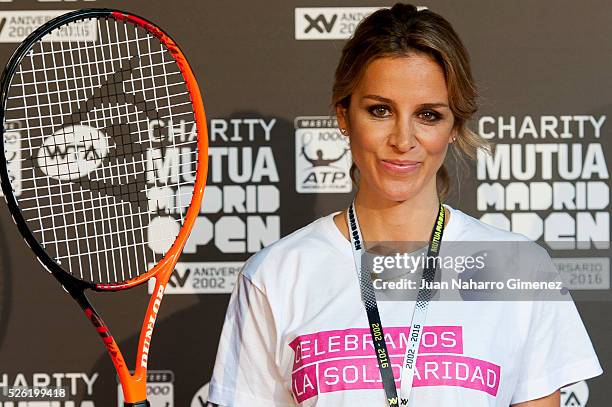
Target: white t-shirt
296 333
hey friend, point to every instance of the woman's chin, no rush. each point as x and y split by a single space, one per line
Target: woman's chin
391 190
396 195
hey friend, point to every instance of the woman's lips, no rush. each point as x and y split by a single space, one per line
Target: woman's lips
400 166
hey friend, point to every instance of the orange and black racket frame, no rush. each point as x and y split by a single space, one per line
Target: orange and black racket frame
133 384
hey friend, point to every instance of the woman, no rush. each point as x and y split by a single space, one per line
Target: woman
296 331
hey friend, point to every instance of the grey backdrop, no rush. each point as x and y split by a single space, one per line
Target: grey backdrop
530 58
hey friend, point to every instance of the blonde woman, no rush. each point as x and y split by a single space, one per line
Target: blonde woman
297 331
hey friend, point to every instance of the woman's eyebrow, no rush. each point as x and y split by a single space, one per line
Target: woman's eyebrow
432 105
389 101
379 98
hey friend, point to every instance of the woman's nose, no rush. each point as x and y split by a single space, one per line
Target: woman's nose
403 136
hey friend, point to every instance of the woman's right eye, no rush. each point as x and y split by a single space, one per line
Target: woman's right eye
379 111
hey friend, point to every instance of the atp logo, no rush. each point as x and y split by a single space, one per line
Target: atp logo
320 23
322 156
72 152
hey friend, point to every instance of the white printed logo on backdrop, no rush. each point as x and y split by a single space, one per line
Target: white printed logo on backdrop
12 147
201 278
16 25
575 395
240 212
549 179
200 399
322 156
330 23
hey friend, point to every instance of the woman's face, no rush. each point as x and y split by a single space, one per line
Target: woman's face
399 125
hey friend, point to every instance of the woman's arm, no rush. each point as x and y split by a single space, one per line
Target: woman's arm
553 400
246 372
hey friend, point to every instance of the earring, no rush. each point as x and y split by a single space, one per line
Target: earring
454 138
343 131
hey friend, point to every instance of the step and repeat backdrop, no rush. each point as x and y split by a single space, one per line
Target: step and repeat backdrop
265 69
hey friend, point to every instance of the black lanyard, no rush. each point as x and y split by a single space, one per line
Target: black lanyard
368 297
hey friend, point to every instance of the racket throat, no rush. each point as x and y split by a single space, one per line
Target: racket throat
134 387
146 332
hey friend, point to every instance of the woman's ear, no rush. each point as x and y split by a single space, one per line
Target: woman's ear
341 115
453 136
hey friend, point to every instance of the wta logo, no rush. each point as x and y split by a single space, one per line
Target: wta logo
72 152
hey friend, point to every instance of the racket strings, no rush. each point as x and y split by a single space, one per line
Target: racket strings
108 149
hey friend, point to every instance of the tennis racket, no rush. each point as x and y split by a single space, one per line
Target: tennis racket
108 128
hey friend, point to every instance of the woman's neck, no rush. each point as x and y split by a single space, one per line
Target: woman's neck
384 220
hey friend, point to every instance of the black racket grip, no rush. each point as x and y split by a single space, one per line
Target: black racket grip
139 404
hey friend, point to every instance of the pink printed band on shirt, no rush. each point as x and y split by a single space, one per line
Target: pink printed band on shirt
356 342
342 360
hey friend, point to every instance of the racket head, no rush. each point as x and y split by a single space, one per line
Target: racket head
63 178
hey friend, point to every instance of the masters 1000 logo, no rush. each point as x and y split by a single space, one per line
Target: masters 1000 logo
322 156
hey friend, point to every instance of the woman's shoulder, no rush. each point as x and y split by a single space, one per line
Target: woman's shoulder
513 246
473 229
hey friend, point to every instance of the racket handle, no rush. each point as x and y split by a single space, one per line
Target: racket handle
139 404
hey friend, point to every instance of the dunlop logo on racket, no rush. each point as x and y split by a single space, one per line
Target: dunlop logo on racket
118 133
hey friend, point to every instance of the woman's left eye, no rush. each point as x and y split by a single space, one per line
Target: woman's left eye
430 116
